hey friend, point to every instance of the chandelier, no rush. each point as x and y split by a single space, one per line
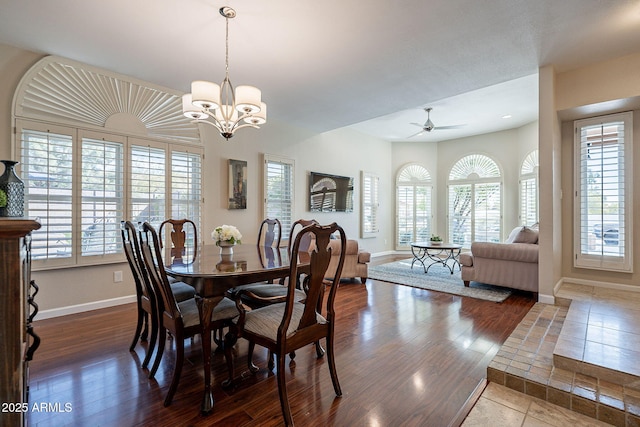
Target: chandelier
221 106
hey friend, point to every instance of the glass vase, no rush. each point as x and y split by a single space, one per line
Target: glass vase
13 187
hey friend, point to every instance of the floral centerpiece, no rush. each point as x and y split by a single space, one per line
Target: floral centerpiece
226 236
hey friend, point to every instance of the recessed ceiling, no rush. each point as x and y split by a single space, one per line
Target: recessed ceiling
327 64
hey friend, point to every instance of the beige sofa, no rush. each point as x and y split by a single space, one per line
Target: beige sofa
513 264
355 261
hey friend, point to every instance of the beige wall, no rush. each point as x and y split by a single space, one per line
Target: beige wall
602 88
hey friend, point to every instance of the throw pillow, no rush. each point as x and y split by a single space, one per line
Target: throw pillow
513 235
523 234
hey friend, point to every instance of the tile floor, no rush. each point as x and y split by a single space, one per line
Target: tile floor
500 406
580 355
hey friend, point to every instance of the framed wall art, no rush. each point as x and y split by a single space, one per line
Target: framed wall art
237 184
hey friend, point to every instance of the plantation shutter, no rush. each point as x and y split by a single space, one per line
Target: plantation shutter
279 190
148 184
186 184
460 214
46 167
369 210
603 171
102 196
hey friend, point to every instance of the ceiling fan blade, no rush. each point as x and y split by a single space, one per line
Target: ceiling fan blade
450 127
416 134
417 124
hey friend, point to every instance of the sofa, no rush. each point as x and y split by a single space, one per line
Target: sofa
355 261
512 264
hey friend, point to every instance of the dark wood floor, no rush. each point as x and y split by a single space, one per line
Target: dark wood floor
405 356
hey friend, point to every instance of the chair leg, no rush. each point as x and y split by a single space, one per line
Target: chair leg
271 363
252 367
136 335
145 331
177 370
152 343
332 366
229 341
218 337
319 350
282 391
162 338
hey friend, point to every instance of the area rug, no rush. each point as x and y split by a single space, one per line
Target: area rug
439 278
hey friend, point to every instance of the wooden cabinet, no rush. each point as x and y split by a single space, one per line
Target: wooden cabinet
17 308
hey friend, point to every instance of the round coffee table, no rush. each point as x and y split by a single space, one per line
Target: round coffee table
425 251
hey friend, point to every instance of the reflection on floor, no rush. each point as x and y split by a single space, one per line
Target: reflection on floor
579 355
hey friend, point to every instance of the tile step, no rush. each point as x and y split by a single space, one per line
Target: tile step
526 363
587 348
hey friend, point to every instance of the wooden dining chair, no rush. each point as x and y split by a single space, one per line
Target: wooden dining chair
182 232
288 325
182 319
270 233
296 227
269 238
145 298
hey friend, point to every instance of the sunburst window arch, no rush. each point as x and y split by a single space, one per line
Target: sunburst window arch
414 207
64 91
475 166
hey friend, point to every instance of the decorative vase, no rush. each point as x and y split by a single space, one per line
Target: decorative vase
226 248
13 187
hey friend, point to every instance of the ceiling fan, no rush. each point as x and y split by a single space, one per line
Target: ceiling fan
428 126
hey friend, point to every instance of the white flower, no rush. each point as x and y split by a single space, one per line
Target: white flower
226 233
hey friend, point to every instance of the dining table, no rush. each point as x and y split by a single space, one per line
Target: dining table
212 274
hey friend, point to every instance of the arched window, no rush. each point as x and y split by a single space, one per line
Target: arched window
475 202
413 205
529 189
97 147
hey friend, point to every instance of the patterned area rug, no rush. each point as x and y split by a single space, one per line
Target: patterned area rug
439 278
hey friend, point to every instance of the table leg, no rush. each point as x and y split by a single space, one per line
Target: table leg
419 257
205 308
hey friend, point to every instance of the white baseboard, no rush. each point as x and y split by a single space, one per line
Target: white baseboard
546 299
80 308
385 253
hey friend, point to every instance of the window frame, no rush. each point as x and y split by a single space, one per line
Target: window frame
590 259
